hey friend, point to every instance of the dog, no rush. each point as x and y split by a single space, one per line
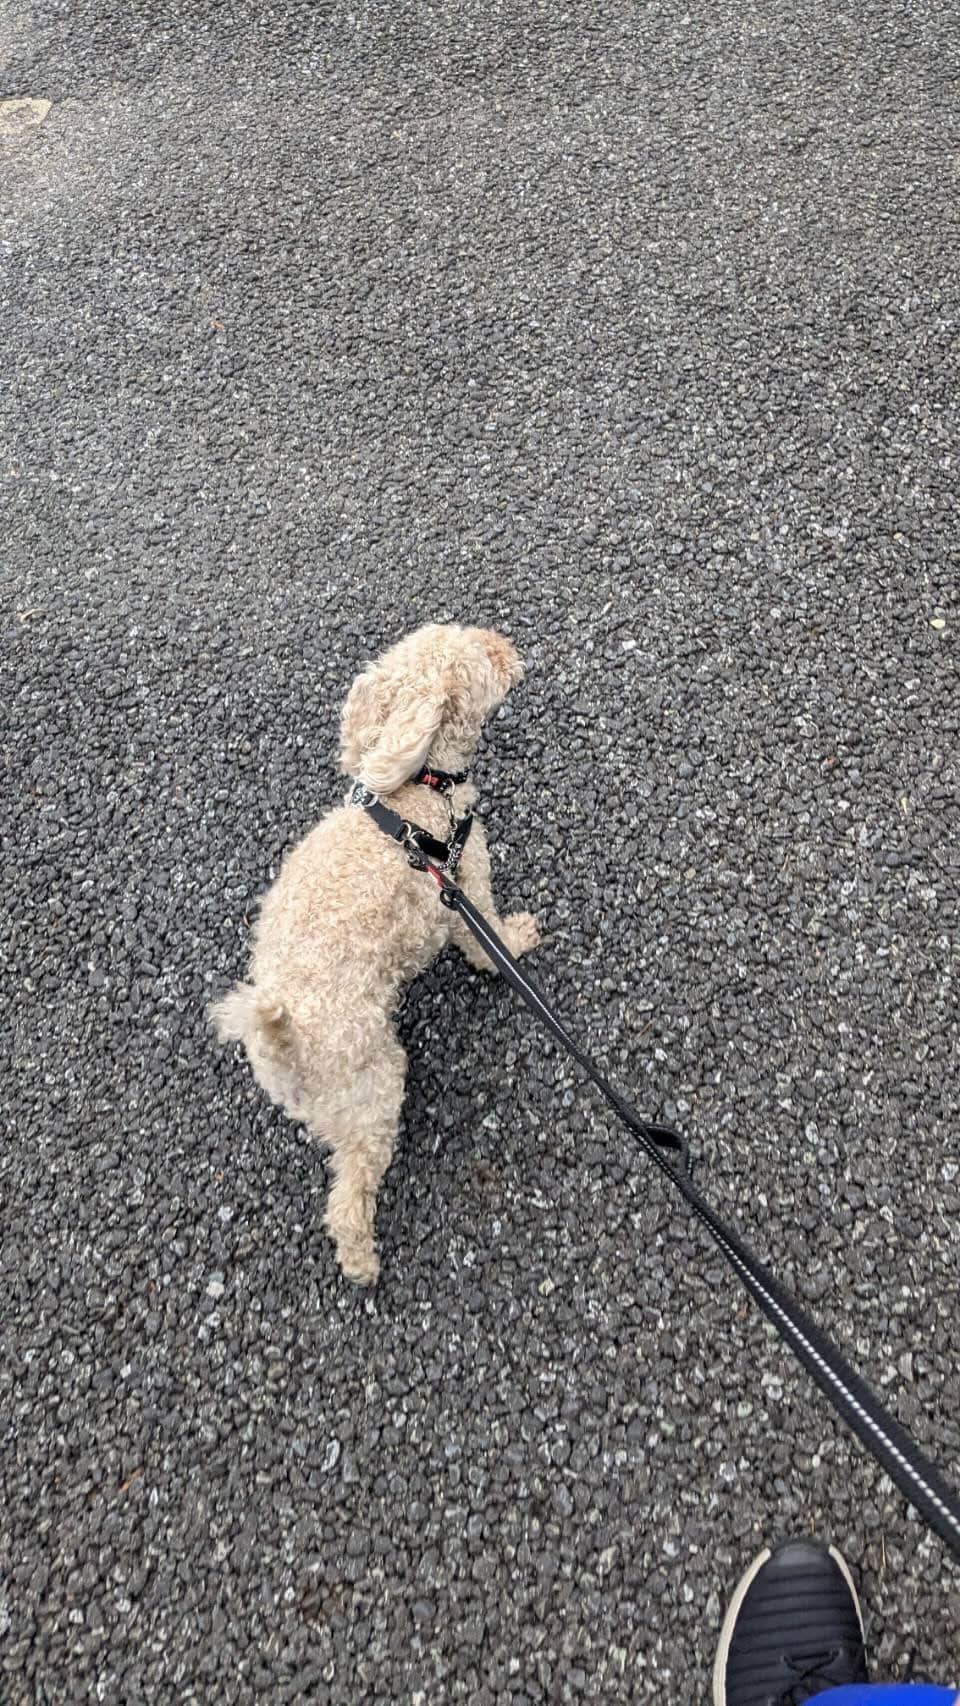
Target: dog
349 921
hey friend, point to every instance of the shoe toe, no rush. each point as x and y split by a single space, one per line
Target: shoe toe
795 1611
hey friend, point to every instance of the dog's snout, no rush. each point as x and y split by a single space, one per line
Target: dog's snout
503 655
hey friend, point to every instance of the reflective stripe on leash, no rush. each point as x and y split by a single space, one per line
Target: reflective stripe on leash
884 1438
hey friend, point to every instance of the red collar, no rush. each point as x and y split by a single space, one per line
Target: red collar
442 781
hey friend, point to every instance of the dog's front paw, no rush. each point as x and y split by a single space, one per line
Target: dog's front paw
361 1265
521 932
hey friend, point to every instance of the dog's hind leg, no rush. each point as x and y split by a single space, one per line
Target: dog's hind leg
361 1128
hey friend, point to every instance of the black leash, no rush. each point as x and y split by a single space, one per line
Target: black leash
919 1482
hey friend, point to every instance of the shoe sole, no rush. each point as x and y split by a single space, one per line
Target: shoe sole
733 1612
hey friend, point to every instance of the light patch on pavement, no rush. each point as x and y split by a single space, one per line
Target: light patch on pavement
23 113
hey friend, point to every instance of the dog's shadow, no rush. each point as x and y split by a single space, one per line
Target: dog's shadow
455 1025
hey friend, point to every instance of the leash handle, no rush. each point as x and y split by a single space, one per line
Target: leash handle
915 1476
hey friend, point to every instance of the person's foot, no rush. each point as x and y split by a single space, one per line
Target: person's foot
792 1630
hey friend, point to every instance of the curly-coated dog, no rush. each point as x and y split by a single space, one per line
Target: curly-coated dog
348 920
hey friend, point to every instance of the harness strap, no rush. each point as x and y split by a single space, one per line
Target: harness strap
918 1480
419 843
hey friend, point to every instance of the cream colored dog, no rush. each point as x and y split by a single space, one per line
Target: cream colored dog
348 921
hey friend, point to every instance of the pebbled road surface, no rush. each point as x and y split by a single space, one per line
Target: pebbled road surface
635 331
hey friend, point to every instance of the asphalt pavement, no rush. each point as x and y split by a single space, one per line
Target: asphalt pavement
632 330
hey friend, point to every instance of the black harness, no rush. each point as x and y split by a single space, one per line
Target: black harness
419 844
917 1478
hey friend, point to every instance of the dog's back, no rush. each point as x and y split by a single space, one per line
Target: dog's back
344 925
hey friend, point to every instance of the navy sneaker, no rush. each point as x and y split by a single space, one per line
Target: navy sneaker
793 1629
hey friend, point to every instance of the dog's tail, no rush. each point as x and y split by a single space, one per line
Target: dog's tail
247 1015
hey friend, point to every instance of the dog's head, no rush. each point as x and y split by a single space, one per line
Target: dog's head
426 698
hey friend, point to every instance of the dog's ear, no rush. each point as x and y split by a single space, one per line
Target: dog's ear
403 742
385 732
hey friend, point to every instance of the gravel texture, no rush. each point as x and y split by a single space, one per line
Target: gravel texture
633 330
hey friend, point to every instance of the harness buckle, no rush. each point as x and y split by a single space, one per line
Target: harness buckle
407 835
422 848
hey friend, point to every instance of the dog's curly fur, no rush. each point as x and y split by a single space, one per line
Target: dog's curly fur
348 921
